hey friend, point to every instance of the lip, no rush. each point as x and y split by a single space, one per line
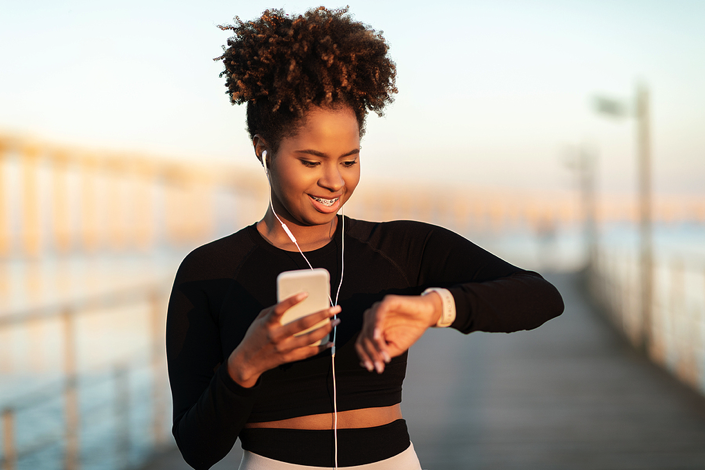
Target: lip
323 208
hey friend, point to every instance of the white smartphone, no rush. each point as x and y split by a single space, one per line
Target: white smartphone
315 282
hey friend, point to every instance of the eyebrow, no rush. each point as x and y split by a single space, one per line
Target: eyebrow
323 155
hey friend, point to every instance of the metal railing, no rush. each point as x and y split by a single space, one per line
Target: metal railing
677 327
68 313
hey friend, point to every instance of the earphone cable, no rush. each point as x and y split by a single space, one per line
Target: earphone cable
333 304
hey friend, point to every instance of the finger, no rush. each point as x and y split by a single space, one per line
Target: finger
370 357
376 323
306 322
307 351
377 333
286 304
301 347
369 321
365 360
365 353
372 339
375 354
308 339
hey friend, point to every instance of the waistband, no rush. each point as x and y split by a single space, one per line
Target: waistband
315 448
406 460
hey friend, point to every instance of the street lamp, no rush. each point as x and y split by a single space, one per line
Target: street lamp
639 110
583 160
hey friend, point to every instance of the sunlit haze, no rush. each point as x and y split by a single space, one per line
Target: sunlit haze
490 93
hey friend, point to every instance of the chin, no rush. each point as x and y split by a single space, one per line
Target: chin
320 219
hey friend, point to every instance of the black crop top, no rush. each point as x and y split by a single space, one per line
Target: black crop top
222 286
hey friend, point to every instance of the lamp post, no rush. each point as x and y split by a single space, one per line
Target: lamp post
583 160
640 111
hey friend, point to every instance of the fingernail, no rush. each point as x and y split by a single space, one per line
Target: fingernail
335 322
376 334
379 366
301 295
368 366
334 310
386 357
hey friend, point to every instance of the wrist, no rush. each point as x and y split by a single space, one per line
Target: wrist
434 299
445 314
240 372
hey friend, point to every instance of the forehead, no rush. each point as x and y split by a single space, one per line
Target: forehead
329 127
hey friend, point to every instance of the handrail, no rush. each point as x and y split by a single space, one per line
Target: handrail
76 306
67 311
675 332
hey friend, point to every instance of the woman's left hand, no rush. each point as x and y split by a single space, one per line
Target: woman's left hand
391 326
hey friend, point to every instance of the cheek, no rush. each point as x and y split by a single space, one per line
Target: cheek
291 181
352 180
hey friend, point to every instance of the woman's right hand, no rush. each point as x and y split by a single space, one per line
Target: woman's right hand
268 344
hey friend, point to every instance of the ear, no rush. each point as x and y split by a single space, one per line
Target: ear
260 145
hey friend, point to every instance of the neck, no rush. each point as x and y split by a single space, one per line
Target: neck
309 237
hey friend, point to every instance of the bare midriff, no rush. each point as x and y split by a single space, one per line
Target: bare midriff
362 418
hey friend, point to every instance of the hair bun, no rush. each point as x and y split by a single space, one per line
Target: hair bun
318 58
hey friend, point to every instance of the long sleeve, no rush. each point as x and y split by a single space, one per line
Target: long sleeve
210 409
490 294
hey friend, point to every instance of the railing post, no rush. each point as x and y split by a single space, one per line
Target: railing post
114 172
30 201
4 197
60 197
122 415
157 368
144 220
8 434
89 236
72 452
677 311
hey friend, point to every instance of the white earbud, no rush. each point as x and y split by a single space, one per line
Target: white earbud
264 163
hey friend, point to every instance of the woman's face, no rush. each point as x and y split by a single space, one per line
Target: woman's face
316 171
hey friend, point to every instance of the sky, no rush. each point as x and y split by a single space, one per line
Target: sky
491 93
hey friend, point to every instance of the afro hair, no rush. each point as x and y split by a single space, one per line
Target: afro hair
281 66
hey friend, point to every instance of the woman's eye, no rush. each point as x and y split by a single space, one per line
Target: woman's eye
309 163
350 163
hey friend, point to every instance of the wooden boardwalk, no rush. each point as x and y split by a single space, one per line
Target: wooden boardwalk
570 395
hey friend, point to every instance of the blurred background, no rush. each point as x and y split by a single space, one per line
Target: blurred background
564 136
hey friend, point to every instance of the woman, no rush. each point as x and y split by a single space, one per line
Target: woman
235 370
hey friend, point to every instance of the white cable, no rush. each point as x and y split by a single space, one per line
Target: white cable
333 304
335 332
291 235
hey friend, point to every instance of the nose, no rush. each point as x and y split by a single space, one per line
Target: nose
331 179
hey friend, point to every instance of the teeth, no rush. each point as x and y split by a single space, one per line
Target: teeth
325 202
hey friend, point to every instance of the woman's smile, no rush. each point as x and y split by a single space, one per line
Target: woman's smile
326 205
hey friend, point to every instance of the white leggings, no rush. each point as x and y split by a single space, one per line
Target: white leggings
406 460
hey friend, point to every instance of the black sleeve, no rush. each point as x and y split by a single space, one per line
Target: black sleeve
490 294
210 408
